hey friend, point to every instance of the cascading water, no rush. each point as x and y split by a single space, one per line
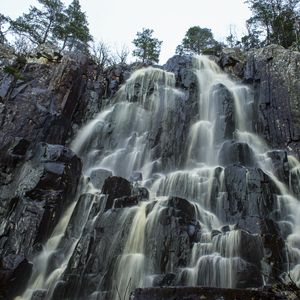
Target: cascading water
188 228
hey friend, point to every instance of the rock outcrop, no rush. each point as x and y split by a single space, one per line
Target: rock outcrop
274 74
37 184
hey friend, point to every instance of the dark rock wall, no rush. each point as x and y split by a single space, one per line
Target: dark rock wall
37 184
274 74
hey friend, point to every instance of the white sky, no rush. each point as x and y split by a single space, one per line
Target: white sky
116 22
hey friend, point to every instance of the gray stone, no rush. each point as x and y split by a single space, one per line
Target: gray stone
98 177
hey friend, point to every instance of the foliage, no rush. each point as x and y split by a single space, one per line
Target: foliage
4 21
147 47
14 71
38 25
232 40
53 23
198 40
276 20
73 29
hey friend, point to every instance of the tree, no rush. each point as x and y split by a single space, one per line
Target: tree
55 24
231 39
101 54
198 40
73 29
147 47
38 25
277 20
22 46
252 39
4 21
120 54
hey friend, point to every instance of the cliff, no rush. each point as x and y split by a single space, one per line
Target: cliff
44 101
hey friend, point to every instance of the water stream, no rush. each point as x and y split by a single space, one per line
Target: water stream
142 130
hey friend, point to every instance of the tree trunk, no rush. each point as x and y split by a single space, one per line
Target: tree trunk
47 32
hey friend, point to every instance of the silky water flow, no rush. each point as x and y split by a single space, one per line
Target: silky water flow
135 133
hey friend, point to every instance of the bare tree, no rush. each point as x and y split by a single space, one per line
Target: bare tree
101 54
22 45
121 54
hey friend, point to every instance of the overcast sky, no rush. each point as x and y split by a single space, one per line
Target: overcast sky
116 22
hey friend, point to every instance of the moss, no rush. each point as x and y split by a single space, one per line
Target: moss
15 72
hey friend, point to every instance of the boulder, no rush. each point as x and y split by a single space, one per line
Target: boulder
250 195
15 271
115 187
233 152
126 201
280 164
98 177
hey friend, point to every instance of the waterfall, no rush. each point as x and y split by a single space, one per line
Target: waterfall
186 229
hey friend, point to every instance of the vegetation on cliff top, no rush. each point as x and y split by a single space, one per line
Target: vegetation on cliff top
67 28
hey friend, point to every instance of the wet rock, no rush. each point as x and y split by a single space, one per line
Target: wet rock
183 206
232 61
205 293
225 228
215 232
250 196
39 295
251 249
226 114
61 92
41 187
274 73
164 280
15 272
86 268
126 201
143 194
136 176
59 290
11 155
115 187
280 164
181 67
236 153
274 245
98 177
249 277
175 217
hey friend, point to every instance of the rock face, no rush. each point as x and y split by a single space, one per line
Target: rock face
37 184
275 76
43 98
200 293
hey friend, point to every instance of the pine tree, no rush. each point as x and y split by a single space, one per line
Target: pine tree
38 24
73 31
147 47
4 21
198 40
278 20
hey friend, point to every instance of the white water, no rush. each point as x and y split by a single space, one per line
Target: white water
122 139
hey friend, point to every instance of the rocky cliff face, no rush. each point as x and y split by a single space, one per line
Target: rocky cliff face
43 103
274 74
